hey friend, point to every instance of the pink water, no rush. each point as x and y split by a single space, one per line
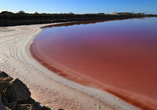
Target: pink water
117 56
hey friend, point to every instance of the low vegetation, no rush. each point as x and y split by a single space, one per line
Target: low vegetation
22 18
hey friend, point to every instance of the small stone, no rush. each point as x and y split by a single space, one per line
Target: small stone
4 77
17 91
2 107
3 74
28 101
1 103
37 107
11 105
4 85
25 107
35 103
45 108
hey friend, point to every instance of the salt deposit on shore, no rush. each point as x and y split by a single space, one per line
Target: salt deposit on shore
45 86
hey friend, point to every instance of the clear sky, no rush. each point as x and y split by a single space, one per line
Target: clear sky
79 6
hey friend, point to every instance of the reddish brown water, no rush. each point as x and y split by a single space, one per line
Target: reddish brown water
117 56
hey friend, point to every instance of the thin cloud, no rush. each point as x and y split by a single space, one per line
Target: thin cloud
2 10
10 10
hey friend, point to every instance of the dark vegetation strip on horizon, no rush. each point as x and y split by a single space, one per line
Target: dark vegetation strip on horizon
22 18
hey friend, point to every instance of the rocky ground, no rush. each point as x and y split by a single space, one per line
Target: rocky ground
16 96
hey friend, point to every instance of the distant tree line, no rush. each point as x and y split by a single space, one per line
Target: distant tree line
23 18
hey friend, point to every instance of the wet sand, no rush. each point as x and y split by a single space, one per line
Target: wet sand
45 86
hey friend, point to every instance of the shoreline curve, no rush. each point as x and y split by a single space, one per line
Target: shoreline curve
45 86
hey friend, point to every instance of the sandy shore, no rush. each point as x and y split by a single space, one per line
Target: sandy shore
45 86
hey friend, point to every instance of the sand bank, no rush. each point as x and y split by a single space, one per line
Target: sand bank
45 86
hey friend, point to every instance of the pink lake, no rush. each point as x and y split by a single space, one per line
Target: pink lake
116 56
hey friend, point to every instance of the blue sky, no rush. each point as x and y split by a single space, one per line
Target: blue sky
80 6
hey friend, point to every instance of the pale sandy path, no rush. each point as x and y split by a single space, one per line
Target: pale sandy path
45 86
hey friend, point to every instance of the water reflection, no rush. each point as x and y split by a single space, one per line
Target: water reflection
117 56
85 22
